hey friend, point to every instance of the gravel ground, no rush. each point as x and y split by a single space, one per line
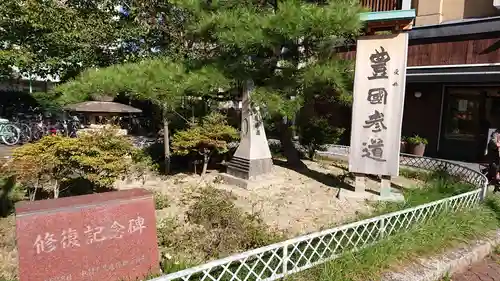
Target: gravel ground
8 252
287 200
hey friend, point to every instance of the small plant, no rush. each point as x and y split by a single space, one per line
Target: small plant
161 200
496 251
446 277
213 135
170 265
227 228
218 180
315 132
416 140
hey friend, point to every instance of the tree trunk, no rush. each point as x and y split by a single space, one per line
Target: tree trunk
311 151
206 160
290 152
166 142
32 193
56 189
205 165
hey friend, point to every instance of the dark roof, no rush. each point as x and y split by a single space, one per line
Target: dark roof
102 106
463 27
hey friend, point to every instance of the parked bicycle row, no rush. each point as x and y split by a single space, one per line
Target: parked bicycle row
25 128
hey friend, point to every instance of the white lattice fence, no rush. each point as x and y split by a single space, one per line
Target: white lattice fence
298 254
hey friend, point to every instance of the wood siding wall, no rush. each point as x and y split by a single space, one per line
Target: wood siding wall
381 5
469 51
455 52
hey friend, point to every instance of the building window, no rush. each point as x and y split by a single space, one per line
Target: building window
462 118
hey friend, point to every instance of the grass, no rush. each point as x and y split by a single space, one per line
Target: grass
443 231
437 187
415 174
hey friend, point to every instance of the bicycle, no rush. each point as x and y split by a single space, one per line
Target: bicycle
38 127
71 126
25 130
9 133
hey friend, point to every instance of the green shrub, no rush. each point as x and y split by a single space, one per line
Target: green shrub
161 200
229 229
316 132
214 228
57 164
10 193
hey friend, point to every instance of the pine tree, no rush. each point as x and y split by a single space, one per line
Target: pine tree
287 47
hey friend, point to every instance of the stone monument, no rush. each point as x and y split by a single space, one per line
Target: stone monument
107 236
253 157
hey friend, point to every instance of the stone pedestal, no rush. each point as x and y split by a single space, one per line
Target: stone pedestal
362 191
253 157
386 193
359 183
385 186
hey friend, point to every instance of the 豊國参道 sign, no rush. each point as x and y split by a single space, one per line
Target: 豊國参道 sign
377 110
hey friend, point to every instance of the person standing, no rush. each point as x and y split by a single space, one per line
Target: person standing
494 159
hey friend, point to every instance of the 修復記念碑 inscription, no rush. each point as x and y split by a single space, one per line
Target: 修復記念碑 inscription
109 236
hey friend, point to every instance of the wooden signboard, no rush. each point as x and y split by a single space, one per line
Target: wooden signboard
379 90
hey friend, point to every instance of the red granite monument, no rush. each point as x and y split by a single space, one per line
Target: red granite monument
107 236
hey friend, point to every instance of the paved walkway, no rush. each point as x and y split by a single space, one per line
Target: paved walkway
487 270
5 152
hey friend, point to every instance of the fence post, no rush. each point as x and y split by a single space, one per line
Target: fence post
382 228
484 190
285 259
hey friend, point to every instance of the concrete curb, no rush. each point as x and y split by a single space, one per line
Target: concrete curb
452 261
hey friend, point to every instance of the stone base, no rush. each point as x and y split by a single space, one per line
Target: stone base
393 197
370 196
249 168
243 183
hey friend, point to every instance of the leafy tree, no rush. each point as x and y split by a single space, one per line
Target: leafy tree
211 136
61 38
99 158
